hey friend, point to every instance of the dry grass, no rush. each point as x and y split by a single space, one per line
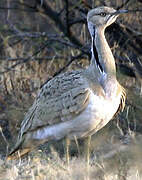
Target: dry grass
113 160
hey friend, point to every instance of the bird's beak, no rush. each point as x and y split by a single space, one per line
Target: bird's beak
121 11
124 11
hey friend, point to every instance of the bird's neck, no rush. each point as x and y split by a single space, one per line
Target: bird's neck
104 62
104 58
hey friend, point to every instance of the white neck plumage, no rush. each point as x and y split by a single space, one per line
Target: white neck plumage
102 58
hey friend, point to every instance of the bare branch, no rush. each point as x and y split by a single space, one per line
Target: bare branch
45 9
18 9
51 37
77 20
35 58
72 59
123 4
26 59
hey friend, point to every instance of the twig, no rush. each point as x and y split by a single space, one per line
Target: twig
25 60
35 58
67 17
18 9
53 15
36 35
4 138
73 58
123 4
78 20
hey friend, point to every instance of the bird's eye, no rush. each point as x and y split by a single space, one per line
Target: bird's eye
103 14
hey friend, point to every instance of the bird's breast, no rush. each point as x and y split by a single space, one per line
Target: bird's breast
100 110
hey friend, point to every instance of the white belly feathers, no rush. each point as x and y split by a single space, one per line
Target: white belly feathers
104 108
96 115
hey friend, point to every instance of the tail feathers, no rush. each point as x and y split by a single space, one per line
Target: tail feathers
17 153
22 147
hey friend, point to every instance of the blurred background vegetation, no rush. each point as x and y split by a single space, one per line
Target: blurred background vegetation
41 38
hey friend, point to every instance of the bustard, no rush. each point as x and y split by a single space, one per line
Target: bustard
79 103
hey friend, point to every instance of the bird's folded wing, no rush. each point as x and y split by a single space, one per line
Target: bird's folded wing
61 99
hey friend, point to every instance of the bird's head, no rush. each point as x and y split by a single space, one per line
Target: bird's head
102 17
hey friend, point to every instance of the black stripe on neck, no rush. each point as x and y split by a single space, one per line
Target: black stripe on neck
96 54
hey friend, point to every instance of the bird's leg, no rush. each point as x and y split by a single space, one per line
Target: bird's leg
77 144
67 145
87 149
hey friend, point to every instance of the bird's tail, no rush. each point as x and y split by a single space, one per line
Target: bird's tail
18 151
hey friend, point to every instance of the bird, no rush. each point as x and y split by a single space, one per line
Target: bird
76 104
